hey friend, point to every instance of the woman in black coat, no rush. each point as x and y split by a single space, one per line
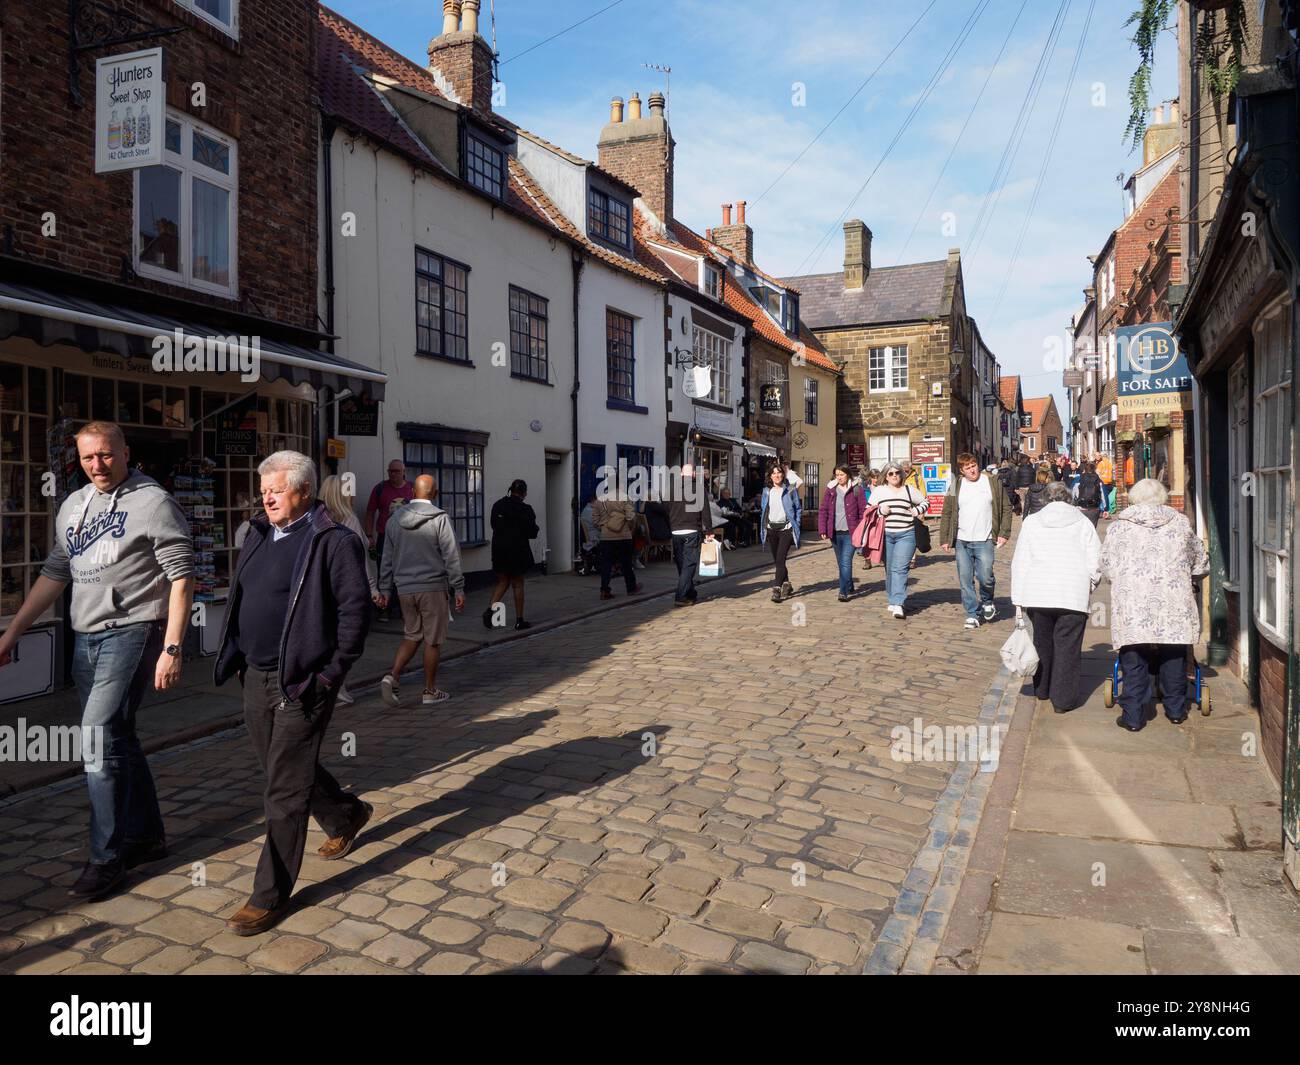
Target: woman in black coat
1036 496
513 524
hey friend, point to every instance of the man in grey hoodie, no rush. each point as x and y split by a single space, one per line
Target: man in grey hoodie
124 545
421 560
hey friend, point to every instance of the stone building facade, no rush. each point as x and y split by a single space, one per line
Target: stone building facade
902 339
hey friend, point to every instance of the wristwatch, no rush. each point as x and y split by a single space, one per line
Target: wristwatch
173 649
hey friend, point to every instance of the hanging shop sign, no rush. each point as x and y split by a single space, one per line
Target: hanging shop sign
130 97
769 399
359 416
697 382
237 428
1153 372
717 422
855 454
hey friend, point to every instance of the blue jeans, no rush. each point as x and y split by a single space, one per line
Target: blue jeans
112 670
899 549
686 553
974 559
843 543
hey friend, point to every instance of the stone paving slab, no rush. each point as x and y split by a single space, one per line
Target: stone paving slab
708 789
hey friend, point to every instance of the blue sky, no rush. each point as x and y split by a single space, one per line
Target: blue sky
737 66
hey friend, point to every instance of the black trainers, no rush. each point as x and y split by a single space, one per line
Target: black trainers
98 880
787 589
142 853
522 624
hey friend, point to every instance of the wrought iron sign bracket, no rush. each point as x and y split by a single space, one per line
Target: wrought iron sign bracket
93 24
684 358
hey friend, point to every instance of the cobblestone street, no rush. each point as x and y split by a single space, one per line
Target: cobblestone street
654 790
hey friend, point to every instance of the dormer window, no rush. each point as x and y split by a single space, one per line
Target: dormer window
485 165
791 322
713 281
767 298
608 218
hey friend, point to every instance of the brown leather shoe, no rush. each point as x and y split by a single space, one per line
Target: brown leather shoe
340 845
253 920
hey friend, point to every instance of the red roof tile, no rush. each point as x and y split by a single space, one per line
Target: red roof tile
1007 388
345 52
1037 409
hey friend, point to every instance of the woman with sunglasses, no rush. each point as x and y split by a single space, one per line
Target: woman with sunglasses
901 504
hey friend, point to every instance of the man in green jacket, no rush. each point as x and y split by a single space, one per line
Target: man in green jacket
976 521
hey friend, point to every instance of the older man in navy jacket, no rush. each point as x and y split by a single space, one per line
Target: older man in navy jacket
295 623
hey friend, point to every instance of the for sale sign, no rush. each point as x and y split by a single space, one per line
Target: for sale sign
130 98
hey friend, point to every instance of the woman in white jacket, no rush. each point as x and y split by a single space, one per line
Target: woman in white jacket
1056 566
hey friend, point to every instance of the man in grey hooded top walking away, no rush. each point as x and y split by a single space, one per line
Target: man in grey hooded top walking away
422 561
124 545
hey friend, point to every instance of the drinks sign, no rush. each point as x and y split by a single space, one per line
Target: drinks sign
130 98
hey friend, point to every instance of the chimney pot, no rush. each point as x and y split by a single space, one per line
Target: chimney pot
1173 111
657 104
616 110
740 212
450 16
634 107
469 16
726 214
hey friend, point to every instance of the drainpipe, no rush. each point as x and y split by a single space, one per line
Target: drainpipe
329 416
578 262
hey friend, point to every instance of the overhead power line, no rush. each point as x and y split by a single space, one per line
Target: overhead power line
843 107
1047 156
953 49
988 206
955 144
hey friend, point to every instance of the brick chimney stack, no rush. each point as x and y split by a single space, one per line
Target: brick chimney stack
857 253
639 150
460 60
736 237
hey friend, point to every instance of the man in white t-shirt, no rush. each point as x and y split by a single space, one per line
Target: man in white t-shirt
976 521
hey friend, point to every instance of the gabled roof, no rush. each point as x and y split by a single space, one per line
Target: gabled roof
1037 409
739 300
346 54
910 293
1007 389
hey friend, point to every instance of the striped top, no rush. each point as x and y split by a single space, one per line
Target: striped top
898 505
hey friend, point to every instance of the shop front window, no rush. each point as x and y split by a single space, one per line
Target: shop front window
1272 460
458 470
26 513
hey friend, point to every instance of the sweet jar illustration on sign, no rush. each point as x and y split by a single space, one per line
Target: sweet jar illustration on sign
142 128
128 130
114 130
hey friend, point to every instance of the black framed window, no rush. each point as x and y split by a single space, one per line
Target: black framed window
528 326
810 401
441 307
619 356
791 314
458 469
608 218
485 165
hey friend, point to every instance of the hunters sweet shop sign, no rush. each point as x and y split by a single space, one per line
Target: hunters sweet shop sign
130 96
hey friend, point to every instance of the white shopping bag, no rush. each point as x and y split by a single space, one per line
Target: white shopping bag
711 559
1018 653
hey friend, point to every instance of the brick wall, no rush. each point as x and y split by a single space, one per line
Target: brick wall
259 90
1272 705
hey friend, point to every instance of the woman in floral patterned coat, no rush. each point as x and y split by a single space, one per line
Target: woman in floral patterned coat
1150 556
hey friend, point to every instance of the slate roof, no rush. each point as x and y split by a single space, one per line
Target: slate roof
907 293
344 55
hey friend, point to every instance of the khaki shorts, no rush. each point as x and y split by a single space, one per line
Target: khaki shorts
424 617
